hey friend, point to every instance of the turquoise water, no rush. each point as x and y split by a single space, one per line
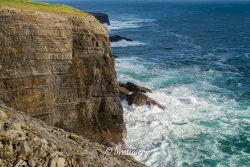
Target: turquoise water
196 59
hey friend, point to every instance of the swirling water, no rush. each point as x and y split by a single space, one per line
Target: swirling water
195 56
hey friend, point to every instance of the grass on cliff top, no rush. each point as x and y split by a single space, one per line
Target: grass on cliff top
41 6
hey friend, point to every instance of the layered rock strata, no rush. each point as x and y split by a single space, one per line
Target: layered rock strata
60 69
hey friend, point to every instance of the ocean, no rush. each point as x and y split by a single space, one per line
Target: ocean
195 56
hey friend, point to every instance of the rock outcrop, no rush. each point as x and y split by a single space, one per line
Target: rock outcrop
28 142
135 88
102 17
116 38
134 94
60 68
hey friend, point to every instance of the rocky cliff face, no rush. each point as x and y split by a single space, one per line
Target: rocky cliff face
60 69
28 142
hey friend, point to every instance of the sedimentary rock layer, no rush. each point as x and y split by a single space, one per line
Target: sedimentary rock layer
60 69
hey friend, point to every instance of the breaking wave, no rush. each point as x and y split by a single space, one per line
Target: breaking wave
195 113
124 43
131 23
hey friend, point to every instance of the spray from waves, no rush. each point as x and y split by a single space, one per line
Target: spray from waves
188 132
131 23
198 127
124 43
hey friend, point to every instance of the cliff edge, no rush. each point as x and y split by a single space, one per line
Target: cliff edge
59 67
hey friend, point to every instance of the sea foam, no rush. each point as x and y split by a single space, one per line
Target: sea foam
193 115
162 132
130 23
124 43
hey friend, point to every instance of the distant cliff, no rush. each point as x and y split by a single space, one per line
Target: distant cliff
102 17
59 68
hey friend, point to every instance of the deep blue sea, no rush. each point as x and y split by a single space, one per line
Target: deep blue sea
195 56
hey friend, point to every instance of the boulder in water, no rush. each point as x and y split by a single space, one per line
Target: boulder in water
134 94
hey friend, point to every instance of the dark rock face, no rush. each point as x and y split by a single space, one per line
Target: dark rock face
133 93
103 18
116 38
60 69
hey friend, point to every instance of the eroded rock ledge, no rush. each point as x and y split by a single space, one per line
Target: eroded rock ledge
25 141
135 94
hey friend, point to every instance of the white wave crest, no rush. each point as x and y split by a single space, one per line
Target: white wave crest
133 23
124 43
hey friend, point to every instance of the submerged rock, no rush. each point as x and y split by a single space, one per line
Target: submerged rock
116 38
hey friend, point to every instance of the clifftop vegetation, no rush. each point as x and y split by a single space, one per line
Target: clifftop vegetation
41 6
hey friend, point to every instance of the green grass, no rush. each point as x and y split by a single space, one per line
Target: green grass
41 6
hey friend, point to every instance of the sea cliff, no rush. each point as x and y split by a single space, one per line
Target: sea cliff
59 68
